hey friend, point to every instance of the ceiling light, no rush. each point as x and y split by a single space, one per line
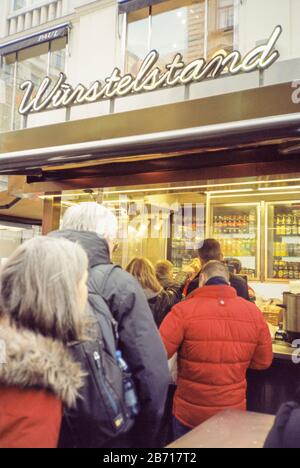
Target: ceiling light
267 189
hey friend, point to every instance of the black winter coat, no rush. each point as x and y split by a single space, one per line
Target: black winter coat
161 303
286 430
140 342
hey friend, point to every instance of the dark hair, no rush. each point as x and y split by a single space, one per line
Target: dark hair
234 263
210 250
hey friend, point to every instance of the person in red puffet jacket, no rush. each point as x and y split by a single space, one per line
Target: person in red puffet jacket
218 336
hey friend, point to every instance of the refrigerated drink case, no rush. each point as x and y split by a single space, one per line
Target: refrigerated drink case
236 227
283 241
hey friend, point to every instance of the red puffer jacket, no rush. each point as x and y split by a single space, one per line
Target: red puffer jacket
218 336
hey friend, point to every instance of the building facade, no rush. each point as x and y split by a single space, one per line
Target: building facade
87 40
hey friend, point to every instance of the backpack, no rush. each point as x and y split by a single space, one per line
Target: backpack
101 413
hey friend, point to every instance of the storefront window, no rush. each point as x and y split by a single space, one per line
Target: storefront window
137 39
31 64
6 91
195 28
57 57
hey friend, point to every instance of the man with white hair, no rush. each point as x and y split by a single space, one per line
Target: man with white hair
94 227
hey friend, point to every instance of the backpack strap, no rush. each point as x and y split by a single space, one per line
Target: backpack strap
106 321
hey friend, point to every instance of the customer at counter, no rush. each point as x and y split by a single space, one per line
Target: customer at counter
211 250
164 270
161 300
285 433
235 268
217 336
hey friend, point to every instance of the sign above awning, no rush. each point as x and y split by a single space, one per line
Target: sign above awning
126 6
34 39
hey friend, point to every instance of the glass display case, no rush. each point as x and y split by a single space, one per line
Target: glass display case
187 235
283 241
237 227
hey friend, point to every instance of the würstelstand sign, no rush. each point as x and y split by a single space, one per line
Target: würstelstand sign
60 94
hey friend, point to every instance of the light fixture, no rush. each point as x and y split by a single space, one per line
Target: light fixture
230 191
194 187
172 189
258 194
268 189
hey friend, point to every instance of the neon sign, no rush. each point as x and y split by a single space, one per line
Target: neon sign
60 94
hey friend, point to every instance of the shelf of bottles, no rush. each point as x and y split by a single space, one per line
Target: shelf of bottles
284 241
235 226
185 241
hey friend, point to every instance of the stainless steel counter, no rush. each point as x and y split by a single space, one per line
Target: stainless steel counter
283 351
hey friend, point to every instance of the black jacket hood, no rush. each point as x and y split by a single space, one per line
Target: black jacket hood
96 247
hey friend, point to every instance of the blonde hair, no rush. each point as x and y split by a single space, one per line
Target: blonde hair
143 270
91 217
39 288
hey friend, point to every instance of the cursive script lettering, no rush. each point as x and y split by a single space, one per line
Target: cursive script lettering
149 77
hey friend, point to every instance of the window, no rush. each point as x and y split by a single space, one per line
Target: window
225 14
31 64
178 27
22 4
137 39
7 72
195 28
220 26
57 58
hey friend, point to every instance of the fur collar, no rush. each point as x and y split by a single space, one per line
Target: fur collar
33 361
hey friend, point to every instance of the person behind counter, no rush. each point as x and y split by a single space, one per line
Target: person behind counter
217 336
235 268
211 250
161 300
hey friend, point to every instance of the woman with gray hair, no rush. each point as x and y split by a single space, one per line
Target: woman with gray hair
43 301
94 227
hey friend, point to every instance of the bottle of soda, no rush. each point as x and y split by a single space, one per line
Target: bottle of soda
129 390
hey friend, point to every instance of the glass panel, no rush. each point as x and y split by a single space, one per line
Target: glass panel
13 236
186 237
284 241
32 65
220 26
21 4
58 57
178 26
6 92
236 227
18 4
137 39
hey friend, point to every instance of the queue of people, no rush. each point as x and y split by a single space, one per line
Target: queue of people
87 344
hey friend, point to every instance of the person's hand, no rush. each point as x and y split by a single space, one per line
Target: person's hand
193 269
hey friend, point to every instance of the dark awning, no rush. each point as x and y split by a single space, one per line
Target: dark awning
35 39
126 6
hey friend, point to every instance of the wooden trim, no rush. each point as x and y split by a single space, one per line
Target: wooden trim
51 215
